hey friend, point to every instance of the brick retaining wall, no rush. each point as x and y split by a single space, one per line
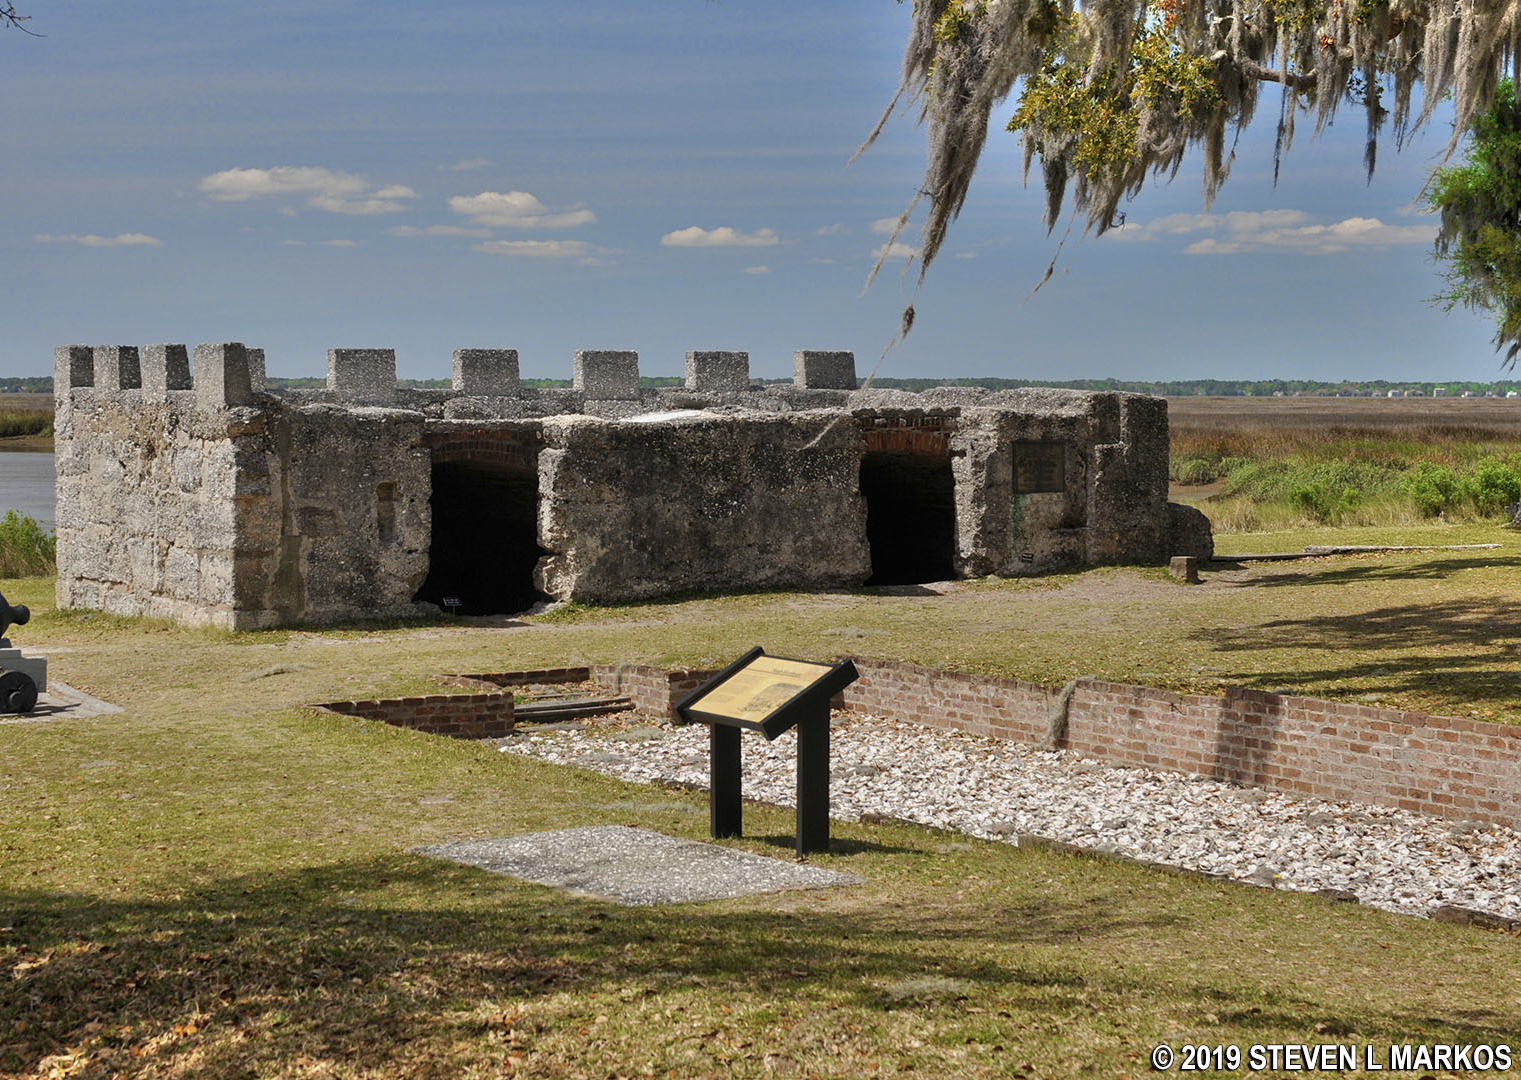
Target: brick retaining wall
1444 766
460 716
652 690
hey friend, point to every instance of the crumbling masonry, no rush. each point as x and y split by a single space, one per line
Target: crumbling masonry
188 491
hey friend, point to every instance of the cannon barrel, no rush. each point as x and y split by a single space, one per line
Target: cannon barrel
12 616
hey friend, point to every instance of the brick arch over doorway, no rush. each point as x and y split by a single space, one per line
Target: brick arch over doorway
516 448
485 499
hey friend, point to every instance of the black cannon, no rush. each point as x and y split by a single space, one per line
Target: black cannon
18 690
12 616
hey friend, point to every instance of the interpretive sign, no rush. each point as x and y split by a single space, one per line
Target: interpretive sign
770 694
1039 466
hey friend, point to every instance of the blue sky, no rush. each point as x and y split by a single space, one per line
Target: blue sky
658 177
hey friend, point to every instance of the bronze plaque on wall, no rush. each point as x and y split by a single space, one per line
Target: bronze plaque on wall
1039 466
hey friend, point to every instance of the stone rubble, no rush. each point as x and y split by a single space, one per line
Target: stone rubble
997 790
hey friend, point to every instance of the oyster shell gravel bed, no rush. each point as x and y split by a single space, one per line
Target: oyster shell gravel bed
997 790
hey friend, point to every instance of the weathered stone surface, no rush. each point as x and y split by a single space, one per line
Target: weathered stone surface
1184 568
258 375
117 367
820 369
607 374
362 376
718 371
486 372
221 376
165 368
73 365
1189 532
716 505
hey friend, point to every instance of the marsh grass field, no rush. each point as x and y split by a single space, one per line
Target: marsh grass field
26 421
217 882
1271 463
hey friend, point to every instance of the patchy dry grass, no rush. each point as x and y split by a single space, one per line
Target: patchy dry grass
216 882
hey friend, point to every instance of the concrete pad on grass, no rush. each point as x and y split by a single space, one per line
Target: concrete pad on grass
60 701
636 866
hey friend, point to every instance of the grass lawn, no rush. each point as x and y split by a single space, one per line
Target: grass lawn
217 883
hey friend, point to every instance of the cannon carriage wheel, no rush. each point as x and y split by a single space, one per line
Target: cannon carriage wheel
18 693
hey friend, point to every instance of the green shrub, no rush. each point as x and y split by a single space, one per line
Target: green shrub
1490 486
1325 503
1311 500
1433 488
1194 470
25 550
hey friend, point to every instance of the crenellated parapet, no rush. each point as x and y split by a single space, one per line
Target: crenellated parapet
486 383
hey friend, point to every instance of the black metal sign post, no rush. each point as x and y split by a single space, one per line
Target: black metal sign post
724 812
770 694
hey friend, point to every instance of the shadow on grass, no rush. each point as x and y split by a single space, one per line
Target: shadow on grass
1433 568
1463 650
314 963
327 964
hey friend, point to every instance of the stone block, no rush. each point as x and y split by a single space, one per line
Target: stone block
1185 568
486 372
362 376
221 375
36 667
607 374
817 369
117 367
258 380
165 368
73 367
718 371
182 573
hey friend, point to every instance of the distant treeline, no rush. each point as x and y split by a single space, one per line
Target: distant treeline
1223 387
43 384
29 384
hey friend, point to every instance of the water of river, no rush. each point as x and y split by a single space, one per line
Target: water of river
26 485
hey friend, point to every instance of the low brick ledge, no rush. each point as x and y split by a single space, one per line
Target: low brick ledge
459 716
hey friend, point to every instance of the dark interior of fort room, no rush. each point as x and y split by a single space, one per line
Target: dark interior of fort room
910 516
485 538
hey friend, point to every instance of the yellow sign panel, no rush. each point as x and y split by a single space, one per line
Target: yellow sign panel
759 688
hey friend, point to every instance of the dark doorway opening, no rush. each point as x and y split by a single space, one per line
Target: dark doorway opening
485 538
910 517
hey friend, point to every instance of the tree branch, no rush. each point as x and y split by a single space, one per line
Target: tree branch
1294 80
9 17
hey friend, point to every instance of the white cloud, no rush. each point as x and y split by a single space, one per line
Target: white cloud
723 236
895 250
335 192
757 269
470 165
439 230
341 243
515 210
135 239
827 230
884 226
1291 231
552 249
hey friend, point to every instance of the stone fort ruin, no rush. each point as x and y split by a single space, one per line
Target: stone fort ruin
187 490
